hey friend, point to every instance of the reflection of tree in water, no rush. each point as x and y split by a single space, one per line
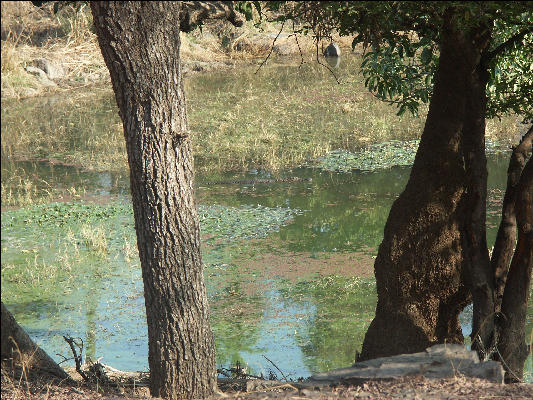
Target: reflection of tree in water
235 319
344 309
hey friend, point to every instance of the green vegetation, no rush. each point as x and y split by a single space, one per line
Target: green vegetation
279 117
402 42
246 222
370 158
66 238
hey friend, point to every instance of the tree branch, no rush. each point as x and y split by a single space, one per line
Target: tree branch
193 13
507 44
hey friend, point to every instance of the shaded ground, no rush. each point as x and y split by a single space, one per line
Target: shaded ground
405 388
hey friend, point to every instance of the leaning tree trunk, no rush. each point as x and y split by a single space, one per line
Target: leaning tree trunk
140 42
419 267
506 237
512 347
18 348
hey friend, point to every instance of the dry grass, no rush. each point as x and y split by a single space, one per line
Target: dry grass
29 33
273 119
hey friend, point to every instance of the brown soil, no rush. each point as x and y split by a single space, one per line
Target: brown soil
414 387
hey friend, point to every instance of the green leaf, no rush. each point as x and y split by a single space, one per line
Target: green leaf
425 57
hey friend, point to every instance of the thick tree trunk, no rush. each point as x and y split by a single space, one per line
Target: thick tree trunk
140 43
512 347
419 267
18 348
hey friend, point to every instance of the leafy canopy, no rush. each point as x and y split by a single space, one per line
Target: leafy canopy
401 41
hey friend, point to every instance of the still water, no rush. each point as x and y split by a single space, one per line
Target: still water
288 266
290 281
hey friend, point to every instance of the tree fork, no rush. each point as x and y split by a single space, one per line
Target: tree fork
476 269
505 239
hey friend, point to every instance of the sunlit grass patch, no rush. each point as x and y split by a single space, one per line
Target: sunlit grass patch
95 239
80 130
275 119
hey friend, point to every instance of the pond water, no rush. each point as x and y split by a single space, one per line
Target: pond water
289 266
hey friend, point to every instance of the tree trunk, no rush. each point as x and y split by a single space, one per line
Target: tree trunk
140 42
419 268
17 346
513 350
477 273
506 237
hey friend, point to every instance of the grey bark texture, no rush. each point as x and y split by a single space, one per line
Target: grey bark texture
140 42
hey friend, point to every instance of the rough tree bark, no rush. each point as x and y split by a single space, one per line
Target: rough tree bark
18 348
419 269
140 43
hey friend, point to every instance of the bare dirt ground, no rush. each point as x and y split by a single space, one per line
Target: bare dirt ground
415 387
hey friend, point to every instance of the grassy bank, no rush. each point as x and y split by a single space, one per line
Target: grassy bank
274 118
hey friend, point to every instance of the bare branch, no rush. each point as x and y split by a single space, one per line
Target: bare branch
272 362
77 358
271 48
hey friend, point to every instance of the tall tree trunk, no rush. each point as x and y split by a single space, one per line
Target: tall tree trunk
18 347
513 350
419 267
477 272
140 42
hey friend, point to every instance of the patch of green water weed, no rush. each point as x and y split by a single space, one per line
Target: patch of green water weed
384 155
245 222
370 158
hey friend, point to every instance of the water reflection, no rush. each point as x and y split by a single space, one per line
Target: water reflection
333 62
273 296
